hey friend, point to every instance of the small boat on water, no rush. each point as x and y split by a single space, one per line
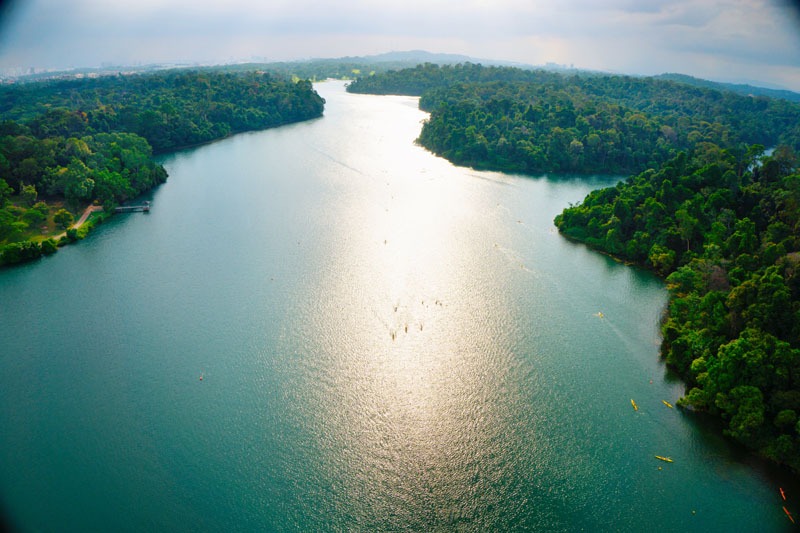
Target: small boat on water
785 510
783 494
665 402
635 407
665 459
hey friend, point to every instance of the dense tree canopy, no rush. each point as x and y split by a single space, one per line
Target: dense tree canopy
726 234
425 77
92 140
170 110
536 121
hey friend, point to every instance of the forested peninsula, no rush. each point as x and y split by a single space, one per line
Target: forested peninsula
708 208
726 234
70 143
535 121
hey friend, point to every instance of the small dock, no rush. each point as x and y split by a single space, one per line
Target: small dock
144 208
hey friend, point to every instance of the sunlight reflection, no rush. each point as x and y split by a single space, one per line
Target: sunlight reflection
404 321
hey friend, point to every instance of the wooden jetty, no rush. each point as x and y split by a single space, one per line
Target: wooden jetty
144 208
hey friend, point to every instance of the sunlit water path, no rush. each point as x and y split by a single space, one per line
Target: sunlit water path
386 342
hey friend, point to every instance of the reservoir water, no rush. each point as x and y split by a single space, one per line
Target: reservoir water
323 327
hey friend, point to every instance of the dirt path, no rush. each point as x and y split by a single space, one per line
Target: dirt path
86 213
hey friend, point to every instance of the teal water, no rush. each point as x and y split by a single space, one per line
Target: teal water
386 342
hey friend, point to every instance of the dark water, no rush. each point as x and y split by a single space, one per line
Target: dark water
386 342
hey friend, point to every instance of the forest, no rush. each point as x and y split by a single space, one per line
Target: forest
707 208
66 144
726 235
535 121
170 110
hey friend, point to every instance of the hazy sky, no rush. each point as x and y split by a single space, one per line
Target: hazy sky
730 40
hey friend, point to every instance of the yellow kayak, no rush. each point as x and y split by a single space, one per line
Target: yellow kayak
665 402
662 458
635 407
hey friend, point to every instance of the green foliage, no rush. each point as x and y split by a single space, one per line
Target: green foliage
20 252
11 225
63 218
109 167
425 77
28 194
49 247
36 214
169 109
535 121
93 140
746 90
726 235
5 192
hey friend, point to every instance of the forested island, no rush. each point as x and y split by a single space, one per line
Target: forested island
708 208
67 144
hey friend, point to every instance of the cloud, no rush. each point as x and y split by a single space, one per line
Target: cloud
708 38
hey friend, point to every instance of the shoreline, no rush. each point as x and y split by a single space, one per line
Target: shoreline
175 149
62 239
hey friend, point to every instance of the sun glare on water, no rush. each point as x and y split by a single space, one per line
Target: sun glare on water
406 331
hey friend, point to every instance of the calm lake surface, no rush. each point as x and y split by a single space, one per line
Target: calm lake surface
385 341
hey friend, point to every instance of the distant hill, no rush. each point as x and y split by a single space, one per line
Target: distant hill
416 57
313 69
354 66
350 67
740 88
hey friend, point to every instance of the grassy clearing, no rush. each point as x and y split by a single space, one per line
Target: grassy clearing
35 223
